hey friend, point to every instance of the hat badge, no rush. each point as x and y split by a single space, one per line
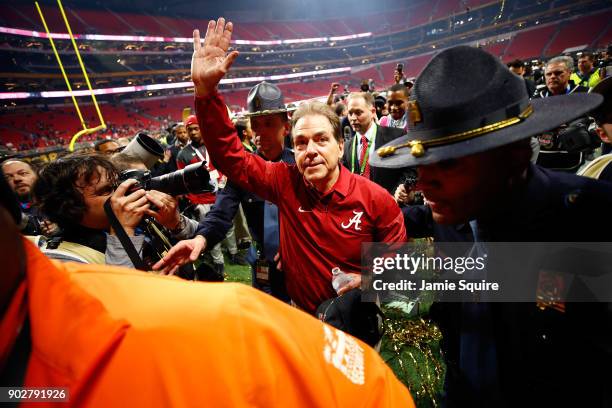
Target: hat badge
414 113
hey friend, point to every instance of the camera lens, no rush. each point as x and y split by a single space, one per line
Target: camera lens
192 179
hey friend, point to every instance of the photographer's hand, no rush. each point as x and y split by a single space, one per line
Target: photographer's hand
401 195
129 209
48 228
209 62
185 251
167 213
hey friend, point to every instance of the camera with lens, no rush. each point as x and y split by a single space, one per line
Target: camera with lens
576 136
410 182
192 179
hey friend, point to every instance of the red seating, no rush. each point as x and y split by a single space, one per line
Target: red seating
104 22
20 17
419 15
529 44
371 73
445 8
606 38
498 49
145 24
581 31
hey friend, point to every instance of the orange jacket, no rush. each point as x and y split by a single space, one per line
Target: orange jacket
119 337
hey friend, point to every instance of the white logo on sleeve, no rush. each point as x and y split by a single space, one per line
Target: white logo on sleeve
355 220
344 353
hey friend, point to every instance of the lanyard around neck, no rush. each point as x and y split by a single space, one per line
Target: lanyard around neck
365 158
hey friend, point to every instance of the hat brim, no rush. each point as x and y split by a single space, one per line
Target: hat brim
603 87
548 113
268 112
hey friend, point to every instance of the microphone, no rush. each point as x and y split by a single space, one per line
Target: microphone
347 133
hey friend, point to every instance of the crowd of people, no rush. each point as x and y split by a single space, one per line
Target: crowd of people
470 151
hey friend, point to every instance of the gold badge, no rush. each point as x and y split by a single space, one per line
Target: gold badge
414 113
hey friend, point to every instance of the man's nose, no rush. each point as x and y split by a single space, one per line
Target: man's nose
311 150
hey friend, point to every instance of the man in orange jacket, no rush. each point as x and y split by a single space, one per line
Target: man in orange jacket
115 336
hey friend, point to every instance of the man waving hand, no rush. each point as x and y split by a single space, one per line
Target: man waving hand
320 203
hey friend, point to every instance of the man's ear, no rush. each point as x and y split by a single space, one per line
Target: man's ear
603 135
287 128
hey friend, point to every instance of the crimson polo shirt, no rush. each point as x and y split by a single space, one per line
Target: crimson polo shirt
317 231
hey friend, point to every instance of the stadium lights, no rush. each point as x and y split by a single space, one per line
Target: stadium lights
143 38
155 87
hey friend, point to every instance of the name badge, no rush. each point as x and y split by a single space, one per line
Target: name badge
262 272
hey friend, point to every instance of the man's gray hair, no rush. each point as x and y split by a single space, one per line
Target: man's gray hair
567 61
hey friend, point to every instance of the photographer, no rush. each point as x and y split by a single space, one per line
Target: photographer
71 192
21 177
163 224
165 208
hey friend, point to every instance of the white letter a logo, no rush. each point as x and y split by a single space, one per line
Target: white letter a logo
355 220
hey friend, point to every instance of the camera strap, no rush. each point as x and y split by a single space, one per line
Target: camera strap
126 242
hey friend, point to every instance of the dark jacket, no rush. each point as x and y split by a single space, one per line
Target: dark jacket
544 357
530 85
389 179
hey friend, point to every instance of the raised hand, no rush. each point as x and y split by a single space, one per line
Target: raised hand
210 61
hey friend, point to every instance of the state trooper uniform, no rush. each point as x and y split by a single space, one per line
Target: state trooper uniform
509 354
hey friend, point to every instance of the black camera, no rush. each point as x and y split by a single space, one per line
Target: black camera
577 137
410 182
192 179
400 67
573 137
